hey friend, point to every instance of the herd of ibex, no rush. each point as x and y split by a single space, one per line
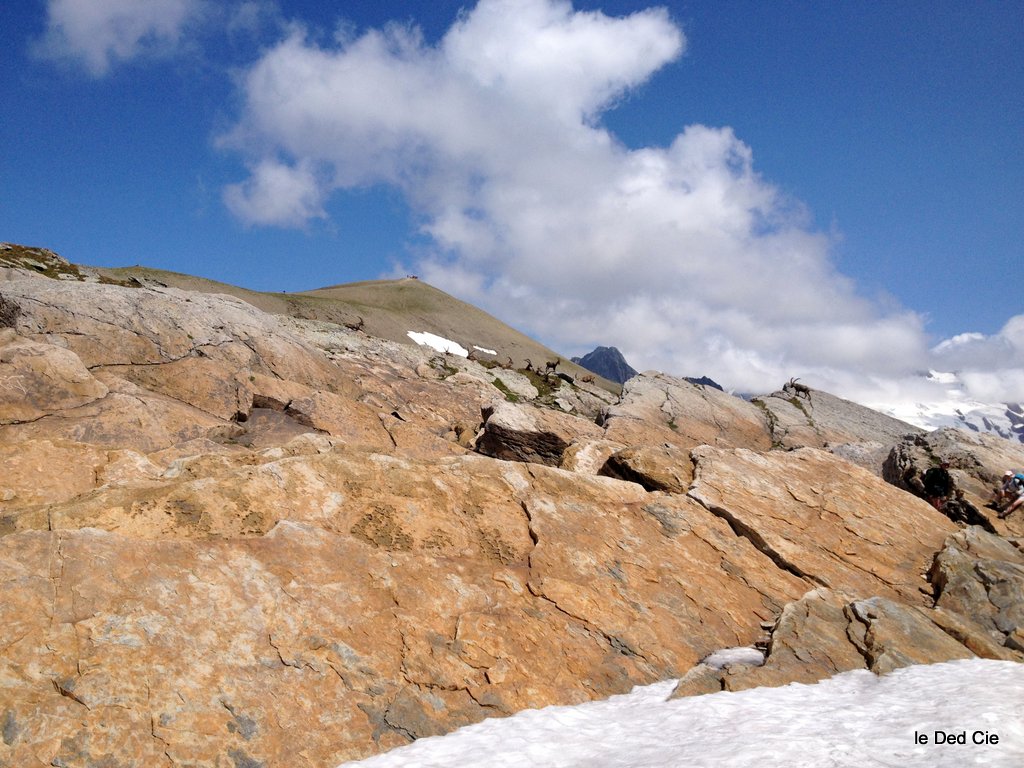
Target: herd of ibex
551 367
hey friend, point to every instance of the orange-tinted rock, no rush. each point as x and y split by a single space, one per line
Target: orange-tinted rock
824 519
40 379
656 468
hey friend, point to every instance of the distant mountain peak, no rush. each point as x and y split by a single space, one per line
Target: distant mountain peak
607 362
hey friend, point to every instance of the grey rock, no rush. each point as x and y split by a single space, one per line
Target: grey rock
818 420
981 576
656 408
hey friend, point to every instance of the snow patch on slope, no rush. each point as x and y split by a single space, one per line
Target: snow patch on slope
439 343
854 719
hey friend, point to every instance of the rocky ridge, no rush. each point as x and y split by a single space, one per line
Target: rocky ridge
235 538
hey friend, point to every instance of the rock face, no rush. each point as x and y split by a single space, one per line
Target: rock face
221 528
821 521
976 462
978 611
981 577
660 408
816 419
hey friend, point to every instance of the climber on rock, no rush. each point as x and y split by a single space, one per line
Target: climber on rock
938 485
1010 495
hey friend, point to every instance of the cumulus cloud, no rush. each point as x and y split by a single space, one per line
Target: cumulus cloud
277 193
101 32
991 368
683 256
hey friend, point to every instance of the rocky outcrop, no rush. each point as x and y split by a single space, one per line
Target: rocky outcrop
662 409
825 633
517 433
220 528
656 468
976 463
823 520
403 599
978 610
816 419
980 577
40 379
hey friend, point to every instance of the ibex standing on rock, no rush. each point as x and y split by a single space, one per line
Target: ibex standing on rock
551 366
799 389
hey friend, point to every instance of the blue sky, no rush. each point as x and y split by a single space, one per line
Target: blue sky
862 165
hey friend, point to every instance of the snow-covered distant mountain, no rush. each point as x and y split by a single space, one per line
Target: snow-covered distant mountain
957 409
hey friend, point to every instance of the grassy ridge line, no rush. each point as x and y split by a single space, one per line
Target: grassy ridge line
388 309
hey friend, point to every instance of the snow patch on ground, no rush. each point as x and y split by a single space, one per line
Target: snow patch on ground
855 719
439 343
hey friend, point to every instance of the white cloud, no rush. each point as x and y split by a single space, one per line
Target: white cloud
1002 349
101 32
682 256
276 193
991 368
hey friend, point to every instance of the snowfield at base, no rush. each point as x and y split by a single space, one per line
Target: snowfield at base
855 719
439 343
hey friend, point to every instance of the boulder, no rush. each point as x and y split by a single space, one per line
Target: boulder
823 519
519 433
656 409
656 468
981 577
37 379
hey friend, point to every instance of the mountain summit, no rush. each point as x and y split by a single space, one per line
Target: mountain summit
607 362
